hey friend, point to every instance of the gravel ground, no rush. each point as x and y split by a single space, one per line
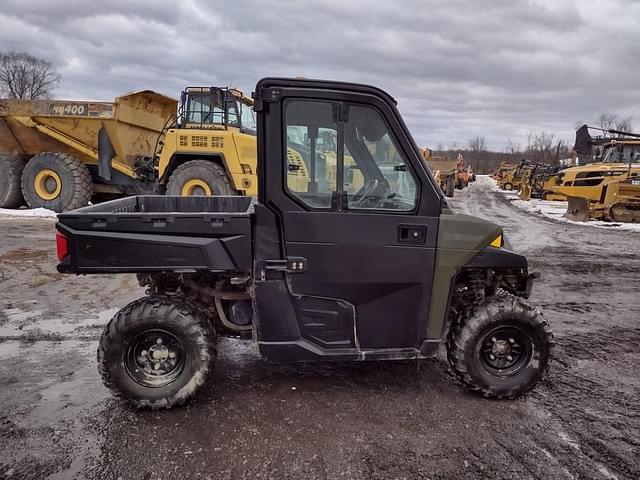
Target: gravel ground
368 420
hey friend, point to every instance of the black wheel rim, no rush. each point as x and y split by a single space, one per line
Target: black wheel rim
506 351
155 358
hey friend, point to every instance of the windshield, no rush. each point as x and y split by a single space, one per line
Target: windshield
621 153
248 117
210 108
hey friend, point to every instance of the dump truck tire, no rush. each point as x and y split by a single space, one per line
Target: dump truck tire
501 348
450 187
56 181
157 352
10 178
200 177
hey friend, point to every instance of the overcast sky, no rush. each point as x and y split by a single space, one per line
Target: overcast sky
458 68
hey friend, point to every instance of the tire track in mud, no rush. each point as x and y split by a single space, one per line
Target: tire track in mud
589 292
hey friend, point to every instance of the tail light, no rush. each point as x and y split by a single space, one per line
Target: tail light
62 246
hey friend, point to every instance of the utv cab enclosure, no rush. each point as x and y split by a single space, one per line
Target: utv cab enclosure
315 268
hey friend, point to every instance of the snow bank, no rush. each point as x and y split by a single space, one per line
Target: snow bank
26 212
553 210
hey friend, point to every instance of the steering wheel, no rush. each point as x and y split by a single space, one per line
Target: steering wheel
373 188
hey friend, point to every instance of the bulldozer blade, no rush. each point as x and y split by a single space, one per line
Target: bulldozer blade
525 192
577 209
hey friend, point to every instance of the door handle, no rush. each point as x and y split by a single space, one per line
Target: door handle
412 234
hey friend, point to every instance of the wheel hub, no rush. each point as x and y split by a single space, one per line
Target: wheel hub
154 358
506 351
196 187
47 184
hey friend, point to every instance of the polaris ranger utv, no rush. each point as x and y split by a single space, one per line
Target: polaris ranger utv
310 271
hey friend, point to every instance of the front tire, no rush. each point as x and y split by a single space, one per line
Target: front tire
156 352
56 181
199 178
501 348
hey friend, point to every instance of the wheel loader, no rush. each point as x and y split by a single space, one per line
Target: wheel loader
388 272
512 178
501 170
60 154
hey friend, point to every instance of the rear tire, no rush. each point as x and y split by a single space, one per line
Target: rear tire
56 181
156 352
10 178
501 348
507 186
200 177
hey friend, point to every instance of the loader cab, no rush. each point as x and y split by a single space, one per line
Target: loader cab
216 108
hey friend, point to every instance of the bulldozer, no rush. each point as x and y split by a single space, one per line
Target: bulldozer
619 202
444 170
61 154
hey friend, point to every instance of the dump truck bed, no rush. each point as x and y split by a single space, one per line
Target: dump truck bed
152 233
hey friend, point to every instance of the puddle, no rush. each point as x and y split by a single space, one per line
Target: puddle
50 328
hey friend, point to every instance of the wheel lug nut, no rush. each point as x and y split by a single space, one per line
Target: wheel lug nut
492 356
143 353
172 355
493 339
512 341
159 341
509 357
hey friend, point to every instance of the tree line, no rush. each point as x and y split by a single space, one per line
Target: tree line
541 147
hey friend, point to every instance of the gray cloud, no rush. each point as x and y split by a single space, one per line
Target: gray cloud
458 69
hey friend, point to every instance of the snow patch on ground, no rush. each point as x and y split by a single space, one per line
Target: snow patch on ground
27 212
553 210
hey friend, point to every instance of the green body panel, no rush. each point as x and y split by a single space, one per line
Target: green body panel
460 238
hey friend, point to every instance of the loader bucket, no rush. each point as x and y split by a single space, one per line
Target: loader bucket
577 209
525 191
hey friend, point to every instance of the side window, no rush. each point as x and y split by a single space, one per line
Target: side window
379 177
311 156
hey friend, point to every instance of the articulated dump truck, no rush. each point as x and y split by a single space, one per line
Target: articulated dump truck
445 171
61 154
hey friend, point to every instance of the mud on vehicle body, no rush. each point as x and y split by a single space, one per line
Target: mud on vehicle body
384 272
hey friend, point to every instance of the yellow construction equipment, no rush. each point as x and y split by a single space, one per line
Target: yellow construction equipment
536 179
512 178
502 169
444 170
58 154
586 181
619 202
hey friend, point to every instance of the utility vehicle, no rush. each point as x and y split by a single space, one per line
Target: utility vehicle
316 273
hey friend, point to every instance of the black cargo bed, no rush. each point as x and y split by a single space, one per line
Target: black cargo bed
159 233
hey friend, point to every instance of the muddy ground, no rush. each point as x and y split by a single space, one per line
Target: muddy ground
373 420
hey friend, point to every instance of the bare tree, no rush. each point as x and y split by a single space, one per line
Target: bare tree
607 120
23 76
512 148
624 124
478 144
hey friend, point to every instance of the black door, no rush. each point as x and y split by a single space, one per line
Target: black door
355 207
